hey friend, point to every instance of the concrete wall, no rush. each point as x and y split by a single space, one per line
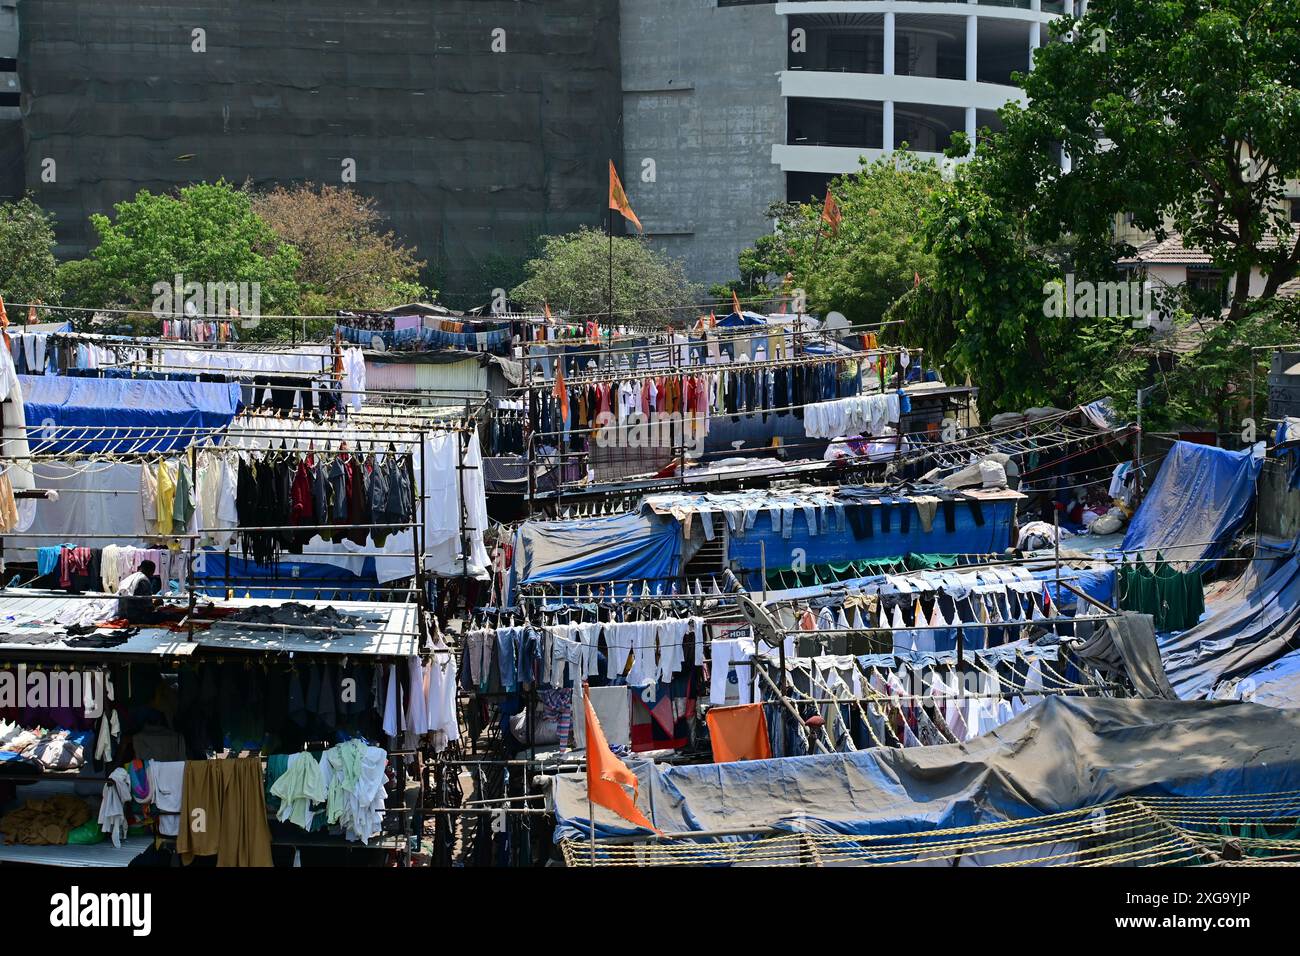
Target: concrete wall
1279 506
701 99
470 153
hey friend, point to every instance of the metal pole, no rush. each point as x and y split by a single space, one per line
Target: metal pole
189 562
1138 487
591 807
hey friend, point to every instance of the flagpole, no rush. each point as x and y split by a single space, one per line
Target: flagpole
611 270
591 806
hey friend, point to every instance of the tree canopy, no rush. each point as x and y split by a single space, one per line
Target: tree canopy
28 270
1184 114
573 274
872 258
347 259
206 233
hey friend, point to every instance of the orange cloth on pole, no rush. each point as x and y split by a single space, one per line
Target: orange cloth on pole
831 213
618 198
735 302
738 733
561 391
607 775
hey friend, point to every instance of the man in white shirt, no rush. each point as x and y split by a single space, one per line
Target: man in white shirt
135 595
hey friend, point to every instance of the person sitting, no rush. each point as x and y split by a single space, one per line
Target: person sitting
135 596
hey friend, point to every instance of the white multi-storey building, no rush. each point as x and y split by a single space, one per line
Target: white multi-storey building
735 104
865 77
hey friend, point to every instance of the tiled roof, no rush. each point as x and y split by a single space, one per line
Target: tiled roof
1172 252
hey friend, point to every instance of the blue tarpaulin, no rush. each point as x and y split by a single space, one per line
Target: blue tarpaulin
1199 499
308 580
1239 640
597 550
67 414
1044 761
1277 685
830 545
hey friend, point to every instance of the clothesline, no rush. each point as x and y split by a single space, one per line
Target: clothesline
693 370
540 351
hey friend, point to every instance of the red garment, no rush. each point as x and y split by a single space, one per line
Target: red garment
302 508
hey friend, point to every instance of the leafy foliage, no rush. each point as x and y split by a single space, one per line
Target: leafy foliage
874 257
1184 114
205 233
573 275
346 260
28 270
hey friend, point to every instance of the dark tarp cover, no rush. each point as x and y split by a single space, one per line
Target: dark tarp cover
1126 647
617 548
1060 755
156 411
1198 501
1239 639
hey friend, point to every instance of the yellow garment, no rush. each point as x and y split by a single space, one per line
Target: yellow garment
166 497
44 822
8 506
223 813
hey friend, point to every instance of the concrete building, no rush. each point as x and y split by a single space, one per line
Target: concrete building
11 128
717 108
476 125
741 103
702 109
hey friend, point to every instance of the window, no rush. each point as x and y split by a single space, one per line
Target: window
850 53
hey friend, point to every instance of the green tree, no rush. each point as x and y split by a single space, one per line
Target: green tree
874 257
206 233
573 273
1184 114
28 270
347 259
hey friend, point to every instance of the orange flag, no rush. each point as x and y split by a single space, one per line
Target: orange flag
561 392
618 198
735 302
546 308
607 775
831 213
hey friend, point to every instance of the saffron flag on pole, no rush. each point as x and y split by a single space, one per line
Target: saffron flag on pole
607 775
618 199
831 213
735 303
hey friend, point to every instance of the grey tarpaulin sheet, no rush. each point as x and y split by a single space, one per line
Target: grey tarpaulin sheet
1062 754
1127 646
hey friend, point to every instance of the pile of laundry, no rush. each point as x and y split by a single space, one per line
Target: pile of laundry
325 623
48 749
